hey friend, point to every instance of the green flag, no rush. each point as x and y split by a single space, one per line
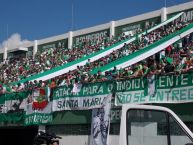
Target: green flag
169 60
137 39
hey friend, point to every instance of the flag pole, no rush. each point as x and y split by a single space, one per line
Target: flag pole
165 3
72 22
7 35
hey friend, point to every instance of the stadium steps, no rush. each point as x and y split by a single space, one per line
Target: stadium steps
147 51
95 56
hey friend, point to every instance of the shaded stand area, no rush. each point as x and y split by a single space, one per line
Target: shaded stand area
18 135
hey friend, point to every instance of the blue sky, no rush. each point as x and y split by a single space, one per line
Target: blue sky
37 19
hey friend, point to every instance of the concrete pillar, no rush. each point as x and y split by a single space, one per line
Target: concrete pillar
70 39
112 28
5 53
163 14
35 49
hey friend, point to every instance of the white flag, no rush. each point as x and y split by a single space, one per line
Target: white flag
100 124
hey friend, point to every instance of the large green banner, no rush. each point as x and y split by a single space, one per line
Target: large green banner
78 97
159 89
12 106
13 102
174 89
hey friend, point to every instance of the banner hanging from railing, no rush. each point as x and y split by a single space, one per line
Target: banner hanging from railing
81 97
12 106
38 116
38 107
159 89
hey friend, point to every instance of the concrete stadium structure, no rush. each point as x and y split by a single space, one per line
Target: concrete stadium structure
74 126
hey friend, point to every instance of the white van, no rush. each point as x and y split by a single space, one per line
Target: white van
152 125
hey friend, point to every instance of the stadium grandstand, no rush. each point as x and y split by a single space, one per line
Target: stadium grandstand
145 59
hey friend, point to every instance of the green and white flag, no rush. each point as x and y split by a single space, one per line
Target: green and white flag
12 106
2 104
15 102
41 116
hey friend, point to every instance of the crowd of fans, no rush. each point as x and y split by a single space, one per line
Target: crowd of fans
20 68
176 58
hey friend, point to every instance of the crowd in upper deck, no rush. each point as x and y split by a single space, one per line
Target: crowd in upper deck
176 58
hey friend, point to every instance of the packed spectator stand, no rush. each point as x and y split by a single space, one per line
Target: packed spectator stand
175 59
